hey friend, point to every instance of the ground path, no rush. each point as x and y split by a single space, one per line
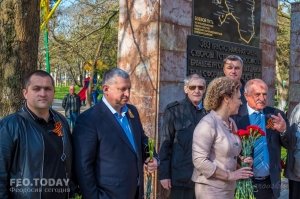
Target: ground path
56 105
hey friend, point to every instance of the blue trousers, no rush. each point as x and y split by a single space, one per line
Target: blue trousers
72 119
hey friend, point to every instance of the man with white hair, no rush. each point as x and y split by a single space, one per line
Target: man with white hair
179 121
267 149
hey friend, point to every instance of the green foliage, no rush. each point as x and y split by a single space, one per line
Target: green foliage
282 56
75 33
283 157
77 196
151 148
283 152
283 42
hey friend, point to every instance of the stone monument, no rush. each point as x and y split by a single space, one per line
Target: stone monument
153 49
294 85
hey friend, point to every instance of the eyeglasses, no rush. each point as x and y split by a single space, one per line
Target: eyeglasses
201 88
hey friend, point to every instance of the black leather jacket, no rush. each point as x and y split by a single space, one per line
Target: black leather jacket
175 153
22 154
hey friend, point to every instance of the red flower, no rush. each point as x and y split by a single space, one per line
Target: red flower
254 127
249 136
242 133
254 130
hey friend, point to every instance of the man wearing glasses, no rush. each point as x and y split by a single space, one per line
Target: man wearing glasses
179 121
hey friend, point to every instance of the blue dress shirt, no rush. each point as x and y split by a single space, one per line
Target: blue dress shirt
123 121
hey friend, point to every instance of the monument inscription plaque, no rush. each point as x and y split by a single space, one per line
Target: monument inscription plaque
205 56
222 28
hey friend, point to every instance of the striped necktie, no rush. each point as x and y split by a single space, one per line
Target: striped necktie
260 163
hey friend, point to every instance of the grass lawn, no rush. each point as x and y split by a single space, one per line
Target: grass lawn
61 91
283 153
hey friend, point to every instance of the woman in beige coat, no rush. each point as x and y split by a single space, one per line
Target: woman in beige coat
216 147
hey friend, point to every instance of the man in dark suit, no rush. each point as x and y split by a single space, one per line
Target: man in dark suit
233 68
267 149
110 144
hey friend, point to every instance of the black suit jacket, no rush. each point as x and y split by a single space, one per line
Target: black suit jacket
274 142
180 119
106 164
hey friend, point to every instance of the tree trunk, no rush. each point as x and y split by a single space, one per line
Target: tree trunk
19 34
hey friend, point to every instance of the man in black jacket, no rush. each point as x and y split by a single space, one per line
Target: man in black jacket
35 147
71 103
179 121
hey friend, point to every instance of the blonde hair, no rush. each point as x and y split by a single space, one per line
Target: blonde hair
218 89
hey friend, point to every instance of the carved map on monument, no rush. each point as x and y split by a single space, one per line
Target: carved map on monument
236 21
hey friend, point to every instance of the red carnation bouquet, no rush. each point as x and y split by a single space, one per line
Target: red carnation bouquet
244 187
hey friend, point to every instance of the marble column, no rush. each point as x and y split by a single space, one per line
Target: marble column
152 48
268 38
294 73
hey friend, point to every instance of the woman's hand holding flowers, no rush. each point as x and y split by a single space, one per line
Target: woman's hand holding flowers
247 160
242 173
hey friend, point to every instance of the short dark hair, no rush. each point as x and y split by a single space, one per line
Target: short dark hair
112 73
233 58
40 73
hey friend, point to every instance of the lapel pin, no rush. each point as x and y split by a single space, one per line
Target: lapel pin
130 114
